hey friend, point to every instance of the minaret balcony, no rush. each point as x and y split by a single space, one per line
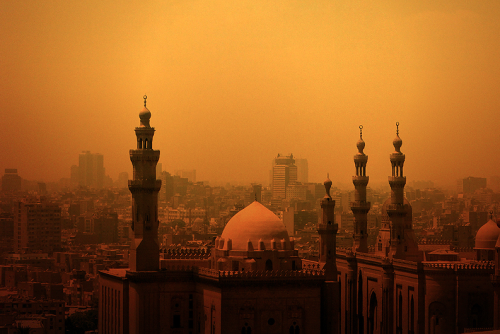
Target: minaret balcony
360 206
397 181
144 155
360 180
148 185
397 209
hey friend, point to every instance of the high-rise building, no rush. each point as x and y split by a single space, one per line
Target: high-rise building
189 174
284 173
37 226
159 170
302 170
11 182
91 170
122 180
470 184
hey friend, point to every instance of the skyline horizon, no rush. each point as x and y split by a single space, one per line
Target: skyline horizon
232 84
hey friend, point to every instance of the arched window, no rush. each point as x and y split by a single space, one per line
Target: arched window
269 265
146 144
139 143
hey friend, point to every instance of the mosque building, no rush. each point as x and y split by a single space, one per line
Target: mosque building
253 281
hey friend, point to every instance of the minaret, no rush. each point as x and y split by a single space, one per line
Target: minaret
360 206
327 230
402 238
144 249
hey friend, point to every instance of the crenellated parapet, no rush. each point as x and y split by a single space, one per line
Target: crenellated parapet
185 253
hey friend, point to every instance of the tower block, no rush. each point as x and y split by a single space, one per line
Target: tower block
360 206
327 230
144 248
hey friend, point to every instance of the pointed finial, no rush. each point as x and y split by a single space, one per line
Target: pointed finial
361 132
491 215
328 185
397 128
145 97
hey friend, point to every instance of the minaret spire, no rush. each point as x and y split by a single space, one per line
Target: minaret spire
144 249
360 206
327 230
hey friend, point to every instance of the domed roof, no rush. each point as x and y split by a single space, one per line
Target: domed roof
255 223
487 236
397 142
360 145
145 116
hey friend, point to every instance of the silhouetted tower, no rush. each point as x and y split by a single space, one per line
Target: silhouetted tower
327 230
360 206
402 239
144 249
396 209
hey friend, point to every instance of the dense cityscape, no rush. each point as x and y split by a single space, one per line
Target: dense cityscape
296 167
68 251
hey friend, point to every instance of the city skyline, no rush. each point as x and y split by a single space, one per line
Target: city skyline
231 85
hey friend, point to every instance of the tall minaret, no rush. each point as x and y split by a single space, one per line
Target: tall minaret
144 249
402 241
327 230
360 206
396 210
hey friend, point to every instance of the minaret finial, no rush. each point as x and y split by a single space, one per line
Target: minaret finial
145 97
328 185
361 132
397 128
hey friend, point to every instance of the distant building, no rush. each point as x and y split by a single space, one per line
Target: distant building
11 182
91 170
302 170
122 180
284 172
257 192
37 226
470 184
74 176
189 174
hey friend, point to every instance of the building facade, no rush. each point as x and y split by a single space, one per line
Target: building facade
253 281
91 170
37 226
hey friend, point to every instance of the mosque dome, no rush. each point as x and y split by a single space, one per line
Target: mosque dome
255 223
487 236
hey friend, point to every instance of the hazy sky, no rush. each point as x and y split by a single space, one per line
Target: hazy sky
232 83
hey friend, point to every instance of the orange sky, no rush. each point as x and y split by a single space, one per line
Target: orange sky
233 83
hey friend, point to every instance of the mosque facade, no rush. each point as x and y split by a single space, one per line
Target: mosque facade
253 281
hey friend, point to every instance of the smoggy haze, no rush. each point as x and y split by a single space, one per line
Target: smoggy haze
232 83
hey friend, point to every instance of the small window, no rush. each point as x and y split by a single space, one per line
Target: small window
177 321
